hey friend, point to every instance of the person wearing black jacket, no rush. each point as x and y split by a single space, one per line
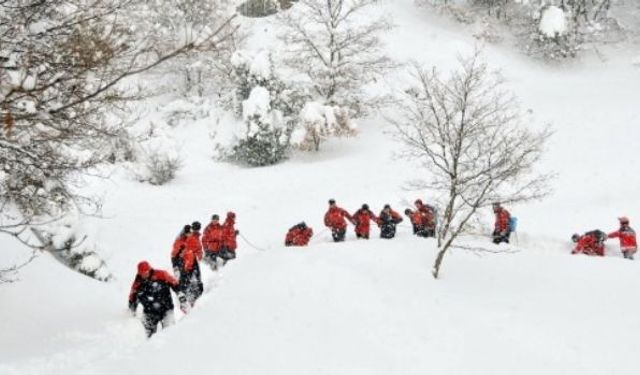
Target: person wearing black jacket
152 289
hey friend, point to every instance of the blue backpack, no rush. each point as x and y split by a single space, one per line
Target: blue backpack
513 223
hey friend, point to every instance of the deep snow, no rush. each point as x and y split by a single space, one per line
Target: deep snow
363 306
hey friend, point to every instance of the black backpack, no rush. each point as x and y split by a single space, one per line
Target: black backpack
597 233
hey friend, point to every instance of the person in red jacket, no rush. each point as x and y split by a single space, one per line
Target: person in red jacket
152 289
501 229
186 268
212 242
590 243
627 237
334 218
179 245
429 217
229 233
418 222
298 235
193 276
362 219
387 221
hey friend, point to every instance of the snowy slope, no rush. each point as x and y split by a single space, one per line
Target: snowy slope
363 307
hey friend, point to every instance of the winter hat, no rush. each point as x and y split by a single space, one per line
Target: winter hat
575 237
365 206
143 267
387 206
408 212
186 229
231 214
215 217
196 225
623 220
332 201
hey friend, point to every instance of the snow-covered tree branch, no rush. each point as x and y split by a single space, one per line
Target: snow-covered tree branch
61 64
467 131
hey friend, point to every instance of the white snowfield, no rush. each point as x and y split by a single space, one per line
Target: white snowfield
364 307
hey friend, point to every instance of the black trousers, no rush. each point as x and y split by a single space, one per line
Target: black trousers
338 234
499 238
151 319
365 236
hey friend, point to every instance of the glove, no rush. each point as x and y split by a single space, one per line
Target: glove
132 308
237 232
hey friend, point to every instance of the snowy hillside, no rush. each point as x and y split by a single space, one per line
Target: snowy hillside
363 307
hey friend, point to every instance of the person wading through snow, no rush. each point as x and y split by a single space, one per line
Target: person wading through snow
229 233
212 242
428 214
336 219
362 219
590 243
387 221
501 228
152 288
418 222
186 269
194 246
298 235
627 237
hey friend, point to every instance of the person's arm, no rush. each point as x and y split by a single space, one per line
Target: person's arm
168 279
133 298
614 234
348 216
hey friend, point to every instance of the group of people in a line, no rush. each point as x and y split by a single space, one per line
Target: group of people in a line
152 287
592 242
423 220
217 244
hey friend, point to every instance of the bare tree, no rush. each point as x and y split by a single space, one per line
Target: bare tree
61 63
336 43
467 131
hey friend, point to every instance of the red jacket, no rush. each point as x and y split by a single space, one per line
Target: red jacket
589 244
229 234
179 244
428 215
182 254
502 220
194 245
335 218
362 219
627 238
298 236
417 218
212 237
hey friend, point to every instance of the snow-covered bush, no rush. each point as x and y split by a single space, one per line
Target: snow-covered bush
549 29
487 31
553 35
266 140
268 108
162 168
157 158
318 122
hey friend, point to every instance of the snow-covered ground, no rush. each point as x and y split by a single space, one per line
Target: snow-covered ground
368 307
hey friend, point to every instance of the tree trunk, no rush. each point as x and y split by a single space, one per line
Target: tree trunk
436 266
